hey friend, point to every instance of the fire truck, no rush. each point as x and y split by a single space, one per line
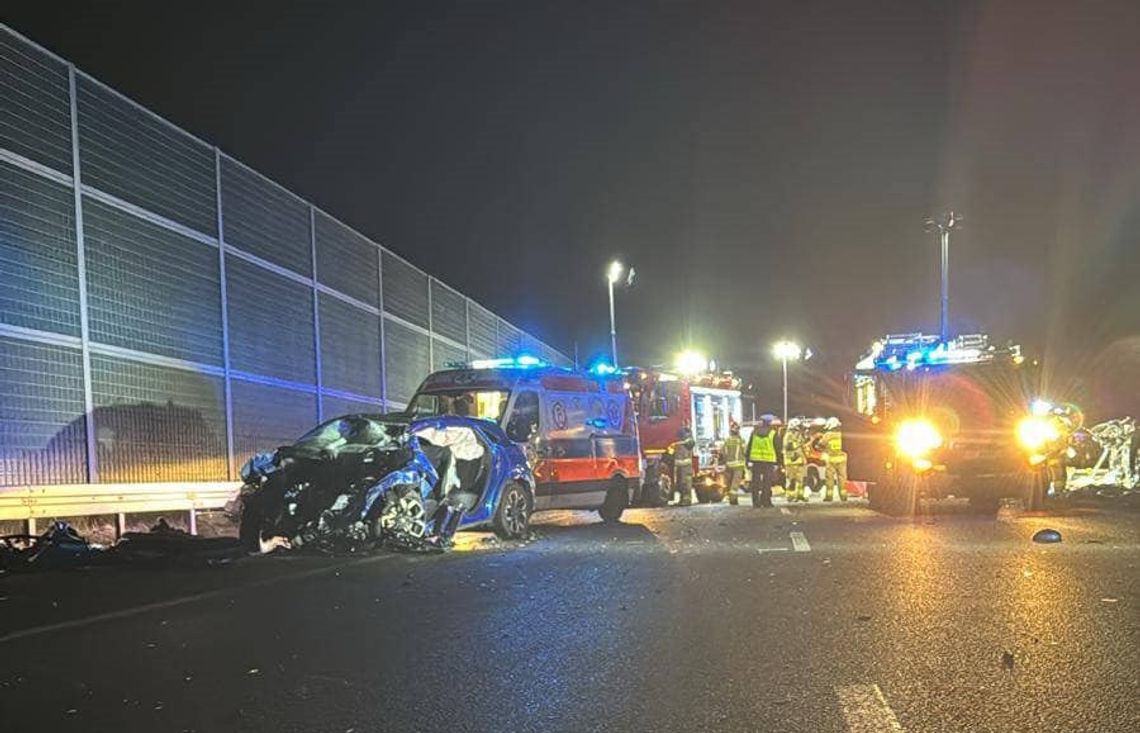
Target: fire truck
943 418
667 402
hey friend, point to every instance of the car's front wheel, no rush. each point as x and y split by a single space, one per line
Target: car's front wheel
512 514
403 516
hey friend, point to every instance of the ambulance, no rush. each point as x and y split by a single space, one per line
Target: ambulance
578 428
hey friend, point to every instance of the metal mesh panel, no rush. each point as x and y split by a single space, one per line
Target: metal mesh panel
350 348
155 423
42 430
149 288
484 342
267 417
405 360
265 220
39 282
337 406
128 153
405 291
448 312
347 261
35 104
510 339
444 353
271 323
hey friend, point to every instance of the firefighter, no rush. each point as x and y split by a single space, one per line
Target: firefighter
732 453
835 460
762 455
795 462
682 453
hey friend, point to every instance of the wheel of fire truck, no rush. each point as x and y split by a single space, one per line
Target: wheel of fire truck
894 494
402 516
617 499
659 491
512 514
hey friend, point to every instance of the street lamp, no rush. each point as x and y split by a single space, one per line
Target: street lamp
612 276
943 225
786 351
691 363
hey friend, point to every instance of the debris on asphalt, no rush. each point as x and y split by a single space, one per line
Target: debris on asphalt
1007 660
1109 600
1047 536
863 617
60 546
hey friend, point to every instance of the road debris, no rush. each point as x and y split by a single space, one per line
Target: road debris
1047 536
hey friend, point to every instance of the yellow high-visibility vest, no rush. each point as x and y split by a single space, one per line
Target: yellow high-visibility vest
762 448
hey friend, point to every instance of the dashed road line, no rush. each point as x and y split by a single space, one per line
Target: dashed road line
785 510
866 710
799 542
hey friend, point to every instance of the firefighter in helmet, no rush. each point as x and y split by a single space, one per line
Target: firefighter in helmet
763 455
682 452
732 453
830 443
795 461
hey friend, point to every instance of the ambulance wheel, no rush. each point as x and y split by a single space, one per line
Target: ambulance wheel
812 481
617 499
512 515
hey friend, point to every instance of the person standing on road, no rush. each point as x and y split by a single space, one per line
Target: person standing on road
682 452
732 452
762 459
795 462
835 460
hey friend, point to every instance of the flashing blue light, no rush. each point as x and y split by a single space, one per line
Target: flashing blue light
602 368
525 362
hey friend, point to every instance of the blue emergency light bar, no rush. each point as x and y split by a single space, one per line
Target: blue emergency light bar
524 361
916 350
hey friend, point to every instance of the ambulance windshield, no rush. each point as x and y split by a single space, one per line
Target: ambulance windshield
489 404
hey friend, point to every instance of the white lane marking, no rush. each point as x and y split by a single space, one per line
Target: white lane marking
181 601
866 710
800 543
785 510
762 550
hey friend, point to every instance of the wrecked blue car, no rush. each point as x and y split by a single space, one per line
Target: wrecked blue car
358 481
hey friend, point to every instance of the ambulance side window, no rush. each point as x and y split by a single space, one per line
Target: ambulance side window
523 424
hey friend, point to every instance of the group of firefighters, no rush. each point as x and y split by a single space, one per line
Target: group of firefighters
770 447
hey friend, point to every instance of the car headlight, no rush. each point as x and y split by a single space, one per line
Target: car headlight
1035 432
917 438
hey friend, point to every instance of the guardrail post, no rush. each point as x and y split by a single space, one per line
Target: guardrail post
120 525
31 525
193 521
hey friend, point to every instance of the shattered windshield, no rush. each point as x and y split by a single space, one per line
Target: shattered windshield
489 404
349 430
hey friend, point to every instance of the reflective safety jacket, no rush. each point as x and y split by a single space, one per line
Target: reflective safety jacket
762 448
733 451
682 451
794 454
831 443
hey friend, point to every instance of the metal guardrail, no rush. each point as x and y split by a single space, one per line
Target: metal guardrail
30 503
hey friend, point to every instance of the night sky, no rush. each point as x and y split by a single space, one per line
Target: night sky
766 167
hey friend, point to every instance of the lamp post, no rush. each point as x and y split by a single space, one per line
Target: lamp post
943 225
786 351
612 276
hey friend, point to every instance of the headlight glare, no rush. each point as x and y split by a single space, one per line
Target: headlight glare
916 438
1035 432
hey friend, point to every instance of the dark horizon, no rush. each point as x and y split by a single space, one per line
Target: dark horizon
766 169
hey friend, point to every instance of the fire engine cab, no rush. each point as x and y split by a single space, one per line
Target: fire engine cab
667 402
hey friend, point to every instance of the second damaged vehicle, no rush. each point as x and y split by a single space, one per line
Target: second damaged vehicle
361 480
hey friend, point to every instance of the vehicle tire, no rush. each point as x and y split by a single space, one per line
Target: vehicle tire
892 494
402 516
617 499
660 492
512 514
812 481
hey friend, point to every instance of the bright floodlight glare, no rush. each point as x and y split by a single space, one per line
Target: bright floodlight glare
786 350
691 362
916 438
614 273
1035 432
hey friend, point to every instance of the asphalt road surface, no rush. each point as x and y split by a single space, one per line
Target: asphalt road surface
713 618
